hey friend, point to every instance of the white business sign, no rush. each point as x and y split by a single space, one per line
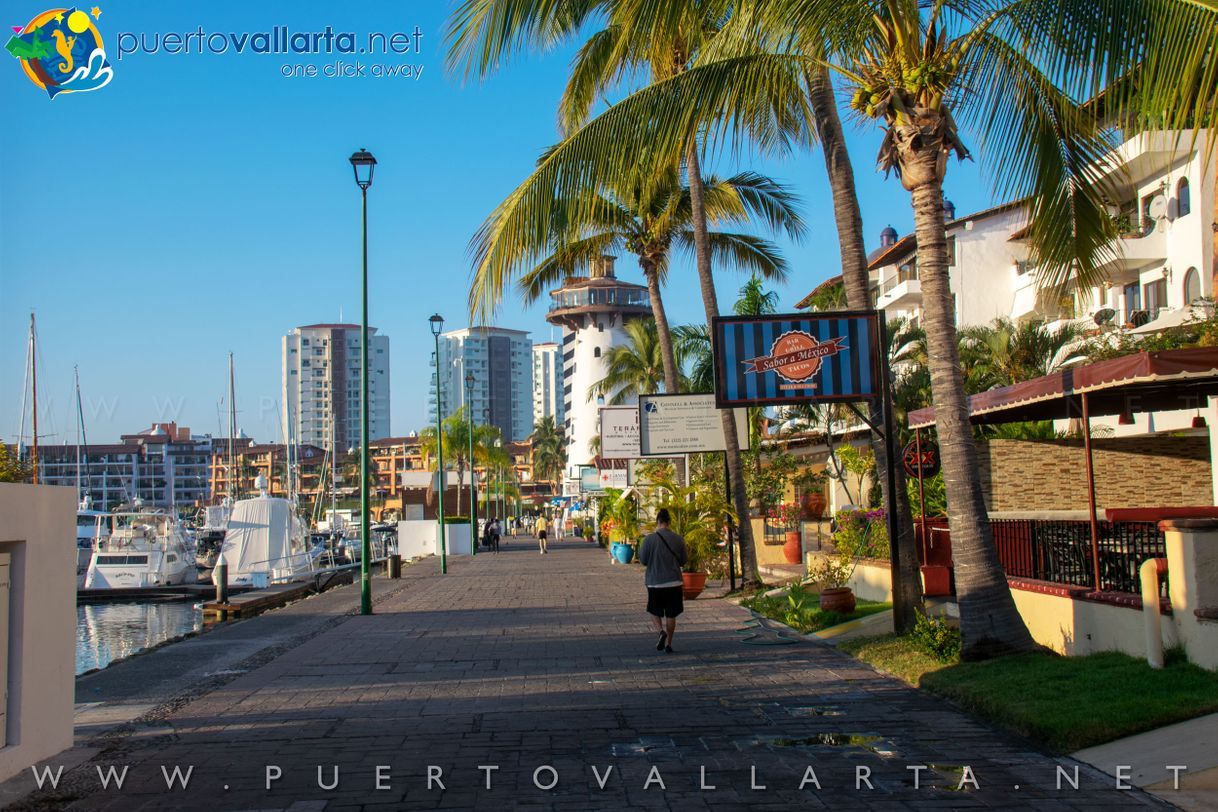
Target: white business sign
620 432
615 478
685 424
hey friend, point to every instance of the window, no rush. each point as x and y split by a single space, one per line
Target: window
596 353
1156 296
1133 299
1183 200
1192 286
951 252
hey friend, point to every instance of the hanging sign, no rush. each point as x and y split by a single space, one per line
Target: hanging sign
798 358
620 432
924 463
685 424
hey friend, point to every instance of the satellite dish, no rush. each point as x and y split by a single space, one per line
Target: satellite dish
1104 315
1157 208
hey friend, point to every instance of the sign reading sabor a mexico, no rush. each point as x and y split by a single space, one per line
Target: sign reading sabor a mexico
797 358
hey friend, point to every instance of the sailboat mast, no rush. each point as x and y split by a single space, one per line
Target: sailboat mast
34 393
232 429
76 376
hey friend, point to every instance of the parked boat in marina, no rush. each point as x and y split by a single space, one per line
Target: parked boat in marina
91 525
143 548
209 537
266 542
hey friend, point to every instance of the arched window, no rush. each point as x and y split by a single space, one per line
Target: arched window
1183 202
596 352
1192 286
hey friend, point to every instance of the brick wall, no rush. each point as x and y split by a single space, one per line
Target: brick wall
1129 472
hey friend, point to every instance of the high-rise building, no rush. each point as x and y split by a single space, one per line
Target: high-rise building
593 311
547 383
321 385
502 392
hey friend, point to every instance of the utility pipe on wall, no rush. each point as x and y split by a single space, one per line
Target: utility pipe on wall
1151 571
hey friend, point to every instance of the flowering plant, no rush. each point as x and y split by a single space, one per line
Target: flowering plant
786 513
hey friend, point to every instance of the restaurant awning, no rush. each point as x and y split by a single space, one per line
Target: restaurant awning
1141 382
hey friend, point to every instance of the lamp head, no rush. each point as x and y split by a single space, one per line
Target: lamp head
469 379
364 165
437 324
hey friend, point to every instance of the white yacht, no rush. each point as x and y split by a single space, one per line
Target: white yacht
266 542
91 525
142 548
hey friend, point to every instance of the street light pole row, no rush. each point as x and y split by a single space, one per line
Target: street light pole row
437 327
364 165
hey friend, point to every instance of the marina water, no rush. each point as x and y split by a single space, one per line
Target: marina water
106 632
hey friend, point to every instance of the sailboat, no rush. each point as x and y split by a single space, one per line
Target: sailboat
90 524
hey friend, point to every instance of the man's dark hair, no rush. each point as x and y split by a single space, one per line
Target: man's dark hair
662 516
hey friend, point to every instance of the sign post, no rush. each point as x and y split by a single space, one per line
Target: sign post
780 360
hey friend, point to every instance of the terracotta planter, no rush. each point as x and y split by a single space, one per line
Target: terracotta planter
814 504
695 582
793 550
837 599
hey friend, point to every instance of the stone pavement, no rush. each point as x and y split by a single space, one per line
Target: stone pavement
521 669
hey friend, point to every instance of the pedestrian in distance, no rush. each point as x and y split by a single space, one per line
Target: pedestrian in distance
540 527
495 533
663 554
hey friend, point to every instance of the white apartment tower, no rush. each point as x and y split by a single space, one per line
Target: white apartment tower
592 310
501 392
547 383
321 385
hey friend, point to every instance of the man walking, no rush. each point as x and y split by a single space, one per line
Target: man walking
540 527
663 553
495 532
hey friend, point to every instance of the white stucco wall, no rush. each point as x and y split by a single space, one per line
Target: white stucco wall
37 528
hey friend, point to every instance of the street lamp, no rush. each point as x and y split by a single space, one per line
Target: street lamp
437 327
473 506
364 165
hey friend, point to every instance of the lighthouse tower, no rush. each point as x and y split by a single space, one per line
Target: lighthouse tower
592 310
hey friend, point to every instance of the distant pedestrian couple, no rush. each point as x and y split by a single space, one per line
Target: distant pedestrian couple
663 553
493 531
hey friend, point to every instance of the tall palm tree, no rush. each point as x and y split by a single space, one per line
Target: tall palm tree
693 343
659 41
549 451
633 368
648 220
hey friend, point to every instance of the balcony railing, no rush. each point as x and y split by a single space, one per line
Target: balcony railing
600 297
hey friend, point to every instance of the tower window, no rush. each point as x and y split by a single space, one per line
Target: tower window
596 353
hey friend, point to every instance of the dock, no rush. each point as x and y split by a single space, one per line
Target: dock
152 593
255 601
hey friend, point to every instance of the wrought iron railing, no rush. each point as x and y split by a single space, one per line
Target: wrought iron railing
1061 552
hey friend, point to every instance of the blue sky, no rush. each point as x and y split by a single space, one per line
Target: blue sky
203 203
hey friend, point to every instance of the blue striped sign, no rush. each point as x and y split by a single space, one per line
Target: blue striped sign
798 358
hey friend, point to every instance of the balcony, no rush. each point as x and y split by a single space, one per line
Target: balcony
901 291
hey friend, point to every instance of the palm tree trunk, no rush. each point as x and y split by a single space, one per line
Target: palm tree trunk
662 329
989 622
854 276
697 199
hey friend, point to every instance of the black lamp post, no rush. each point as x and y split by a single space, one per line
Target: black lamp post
473 506
437 327
364 165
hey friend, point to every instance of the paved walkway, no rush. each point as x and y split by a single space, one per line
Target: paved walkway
544 667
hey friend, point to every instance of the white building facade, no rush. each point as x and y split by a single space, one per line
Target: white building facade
321 385
593 311
548 398
501 393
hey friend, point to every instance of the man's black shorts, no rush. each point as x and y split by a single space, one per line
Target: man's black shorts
666 601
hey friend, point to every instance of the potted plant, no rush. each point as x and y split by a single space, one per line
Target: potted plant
698 513
813 502
619 520
832 575
788 515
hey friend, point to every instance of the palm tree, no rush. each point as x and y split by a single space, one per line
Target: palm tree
457 428
693 344
549 451
1004 352
658 40
634 368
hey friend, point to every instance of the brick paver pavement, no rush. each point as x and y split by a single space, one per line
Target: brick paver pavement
544 667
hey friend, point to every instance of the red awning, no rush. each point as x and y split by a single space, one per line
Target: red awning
1142 382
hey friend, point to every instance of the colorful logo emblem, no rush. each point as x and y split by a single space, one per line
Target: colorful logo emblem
61 51
795 356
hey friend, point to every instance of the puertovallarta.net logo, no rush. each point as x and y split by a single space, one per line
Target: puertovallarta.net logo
61 51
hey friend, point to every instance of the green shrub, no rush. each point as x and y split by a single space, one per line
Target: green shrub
937 637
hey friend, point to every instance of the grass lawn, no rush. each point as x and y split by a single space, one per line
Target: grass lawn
1065 703
800 610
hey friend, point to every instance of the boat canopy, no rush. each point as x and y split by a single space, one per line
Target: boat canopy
259 537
